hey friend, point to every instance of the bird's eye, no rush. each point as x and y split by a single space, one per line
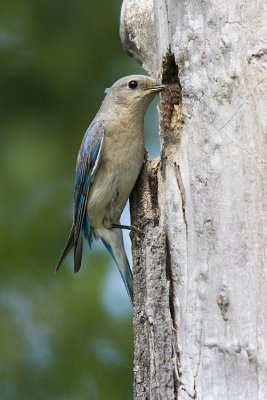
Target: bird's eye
132 84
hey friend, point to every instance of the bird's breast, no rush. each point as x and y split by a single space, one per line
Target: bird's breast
114 180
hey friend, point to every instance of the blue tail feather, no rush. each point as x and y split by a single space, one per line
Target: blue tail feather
127 282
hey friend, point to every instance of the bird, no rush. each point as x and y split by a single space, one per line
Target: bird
108 164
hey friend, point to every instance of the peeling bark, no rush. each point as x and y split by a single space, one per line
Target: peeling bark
200 254
152 325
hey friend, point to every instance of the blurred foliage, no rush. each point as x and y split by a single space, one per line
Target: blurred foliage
63 336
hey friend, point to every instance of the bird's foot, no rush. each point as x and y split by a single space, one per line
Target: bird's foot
129 227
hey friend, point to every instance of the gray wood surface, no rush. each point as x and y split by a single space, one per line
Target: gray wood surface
200 258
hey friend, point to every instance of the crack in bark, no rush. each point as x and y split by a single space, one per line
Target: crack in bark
171 97
180 183
171 118
153 189
188 394
169 277
175 350
231 117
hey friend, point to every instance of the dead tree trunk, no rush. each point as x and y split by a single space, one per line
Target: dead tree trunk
200 265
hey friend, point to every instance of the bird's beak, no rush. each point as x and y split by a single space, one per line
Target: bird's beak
156 88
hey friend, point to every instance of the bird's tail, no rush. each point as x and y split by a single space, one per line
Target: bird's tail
69 245
113 240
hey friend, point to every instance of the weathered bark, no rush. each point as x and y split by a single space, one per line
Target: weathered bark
200 265
153 325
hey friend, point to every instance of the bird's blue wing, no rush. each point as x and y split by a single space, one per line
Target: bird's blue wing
87 164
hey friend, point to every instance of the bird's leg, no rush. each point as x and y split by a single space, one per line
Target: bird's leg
129 227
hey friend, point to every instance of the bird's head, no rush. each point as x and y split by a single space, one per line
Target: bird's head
134 91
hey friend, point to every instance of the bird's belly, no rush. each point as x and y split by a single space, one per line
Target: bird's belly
110 191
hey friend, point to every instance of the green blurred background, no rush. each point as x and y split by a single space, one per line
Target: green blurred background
62 336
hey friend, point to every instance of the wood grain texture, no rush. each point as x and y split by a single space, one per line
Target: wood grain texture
209 282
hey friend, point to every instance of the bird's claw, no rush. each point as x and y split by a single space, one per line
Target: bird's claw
129 227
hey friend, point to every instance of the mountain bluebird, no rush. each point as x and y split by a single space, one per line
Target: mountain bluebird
108 164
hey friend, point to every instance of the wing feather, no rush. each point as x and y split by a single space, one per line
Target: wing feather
86 167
